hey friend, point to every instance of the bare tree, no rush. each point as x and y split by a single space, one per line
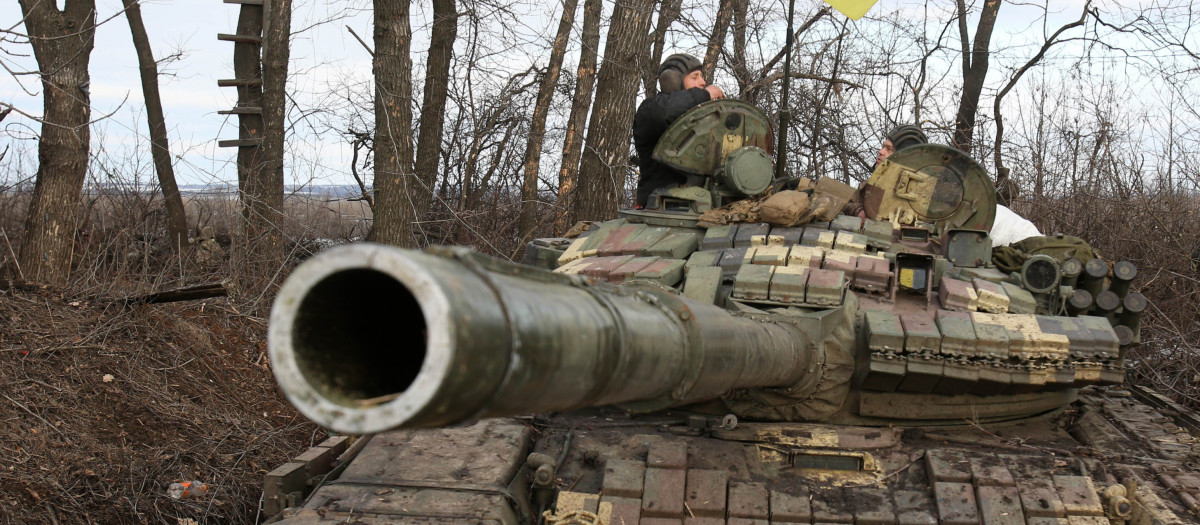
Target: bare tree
605 160
974 69
247 70
263 193
585 78
433 105
159 149
765 77
497 117
717 39
394 181
824 131
668 12
741 70
62 43
537 128
1003 185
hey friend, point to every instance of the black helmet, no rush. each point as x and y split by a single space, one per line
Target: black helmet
673 69
906 136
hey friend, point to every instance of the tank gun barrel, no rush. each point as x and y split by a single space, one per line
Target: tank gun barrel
365 338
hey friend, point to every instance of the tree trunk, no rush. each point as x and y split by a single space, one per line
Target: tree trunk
741 71
537 128
585 78
975 66
247 64
392 67
717 39
159 150
667 13
263 193
604 163
62 44
433 105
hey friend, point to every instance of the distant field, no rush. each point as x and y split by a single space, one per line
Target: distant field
307 215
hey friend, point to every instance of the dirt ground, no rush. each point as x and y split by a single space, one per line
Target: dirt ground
103 406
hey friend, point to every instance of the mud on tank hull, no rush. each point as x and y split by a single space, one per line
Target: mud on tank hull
1108 458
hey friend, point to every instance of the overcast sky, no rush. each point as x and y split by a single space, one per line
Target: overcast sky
189 89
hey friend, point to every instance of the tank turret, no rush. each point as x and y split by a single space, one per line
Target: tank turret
724 147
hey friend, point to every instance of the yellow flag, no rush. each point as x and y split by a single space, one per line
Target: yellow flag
854 9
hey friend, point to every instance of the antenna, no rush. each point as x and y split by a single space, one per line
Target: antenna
785 112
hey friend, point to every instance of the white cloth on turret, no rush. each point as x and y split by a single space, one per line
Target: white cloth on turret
1010 227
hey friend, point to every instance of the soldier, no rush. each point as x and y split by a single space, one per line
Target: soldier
898 138
681 87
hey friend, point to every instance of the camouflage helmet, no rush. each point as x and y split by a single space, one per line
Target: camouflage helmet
673 69
906 135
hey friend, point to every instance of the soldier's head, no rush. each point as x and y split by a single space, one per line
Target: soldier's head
680 71
898 138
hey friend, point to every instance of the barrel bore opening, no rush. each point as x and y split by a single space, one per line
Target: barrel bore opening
359 336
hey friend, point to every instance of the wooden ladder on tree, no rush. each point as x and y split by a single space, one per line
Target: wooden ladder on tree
247 68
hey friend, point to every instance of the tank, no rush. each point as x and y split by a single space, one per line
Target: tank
688 364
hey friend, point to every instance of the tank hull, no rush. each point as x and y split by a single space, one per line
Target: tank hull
691 365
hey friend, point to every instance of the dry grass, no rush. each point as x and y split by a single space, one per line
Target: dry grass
104 406
305 217
121 247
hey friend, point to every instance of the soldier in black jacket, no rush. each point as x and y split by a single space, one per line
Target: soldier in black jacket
681 87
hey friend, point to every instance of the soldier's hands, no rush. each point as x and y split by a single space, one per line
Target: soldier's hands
715 92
